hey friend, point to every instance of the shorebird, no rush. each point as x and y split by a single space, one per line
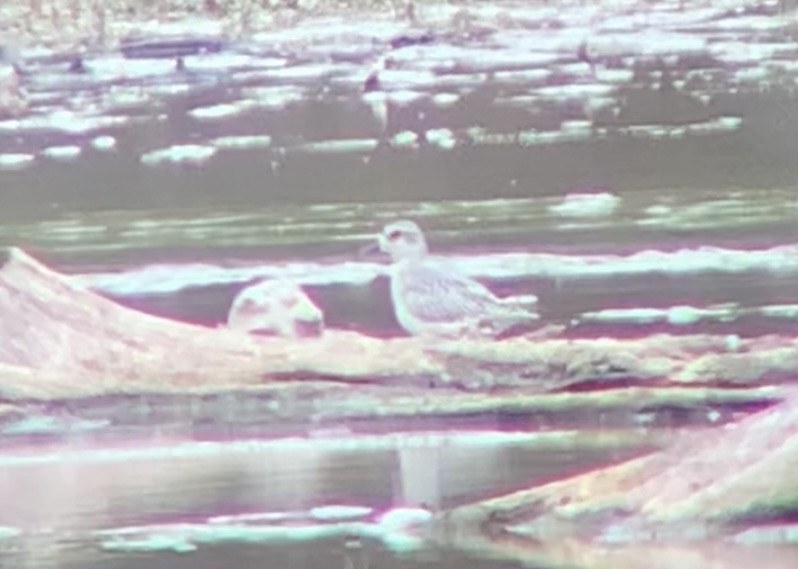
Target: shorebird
434 300
275 307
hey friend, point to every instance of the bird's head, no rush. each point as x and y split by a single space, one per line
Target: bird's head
402 240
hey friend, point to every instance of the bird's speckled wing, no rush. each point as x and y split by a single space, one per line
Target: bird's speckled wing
436 294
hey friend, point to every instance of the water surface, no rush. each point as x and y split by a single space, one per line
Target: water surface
169 189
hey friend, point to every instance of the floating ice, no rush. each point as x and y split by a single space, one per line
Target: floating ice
586 205
478 135
308 72
646 43
331 30
276 97
127 98
15 161
714 126
748 24
222 111
239 142
62 153
447 58
576 91
222 62
404 97
564 41
115 68
61 121
442 138
576 126
185 27
405 139
580 70
192 154
444 100
103 143
524 77
394 79
351 145
752 74
739 52
646 131
615 75
534 138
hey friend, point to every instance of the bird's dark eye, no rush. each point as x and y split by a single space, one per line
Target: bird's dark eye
394 235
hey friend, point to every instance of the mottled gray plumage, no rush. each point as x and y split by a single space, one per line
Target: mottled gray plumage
432 299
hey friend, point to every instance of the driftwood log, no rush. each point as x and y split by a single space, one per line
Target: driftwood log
60 339
720 488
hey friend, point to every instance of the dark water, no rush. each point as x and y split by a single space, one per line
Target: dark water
688 138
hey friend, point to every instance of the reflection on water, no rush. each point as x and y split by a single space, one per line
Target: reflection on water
274 488
634 166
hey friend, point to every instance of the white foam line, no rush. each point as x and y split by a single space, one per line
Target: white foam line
165 279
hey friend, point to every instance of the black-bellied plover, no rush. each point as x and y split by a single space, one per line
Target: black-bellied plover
432 299
276 307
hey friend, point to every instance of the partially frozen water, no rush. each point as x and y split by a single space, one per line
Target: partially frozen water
634 166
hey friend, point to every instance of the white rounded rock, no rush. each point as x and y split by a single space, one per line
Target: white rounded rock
276 307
